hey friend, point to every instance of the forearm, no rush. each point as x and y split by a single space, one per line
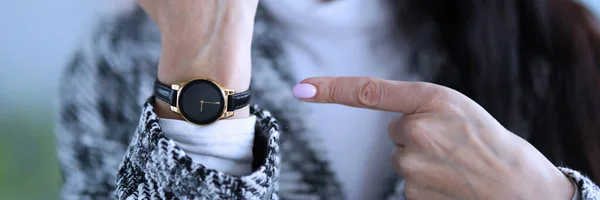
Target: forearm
218 51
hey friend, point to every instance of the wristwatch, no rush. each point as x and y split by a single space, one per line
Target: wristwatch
201 101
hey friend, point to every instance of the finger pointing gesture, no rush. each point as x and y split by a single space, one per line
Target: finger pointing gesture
385 95
448 147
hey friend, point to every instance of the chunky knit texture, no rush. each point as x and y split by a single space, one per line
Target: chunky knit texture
588 189
104 155
155 168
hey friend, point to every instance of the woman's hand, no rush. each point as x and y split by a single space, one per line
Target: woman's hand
447 146
204 38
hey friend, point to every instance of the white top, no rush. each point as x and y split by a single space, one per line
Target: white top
338 38
225 145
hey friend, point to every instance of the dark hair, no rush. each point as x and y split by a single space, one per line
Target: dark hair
533 64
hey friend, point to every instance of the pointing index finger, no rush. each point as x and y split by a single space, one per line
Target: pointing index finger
372 93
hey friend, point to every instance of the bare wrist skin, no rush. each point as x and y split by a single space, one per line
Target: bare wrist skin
568 188
564 188
554 184
231 71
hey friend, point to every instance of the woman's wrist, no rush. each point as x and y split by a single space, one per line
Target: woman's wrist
215 44
163 110
565 189
174 69
231 70
205 39
546 182
225 58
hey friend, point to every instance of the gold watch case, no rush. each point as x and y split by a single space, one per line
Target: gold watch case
225 92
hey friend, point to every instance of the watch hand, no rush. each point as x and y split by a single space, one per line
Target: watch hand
202 102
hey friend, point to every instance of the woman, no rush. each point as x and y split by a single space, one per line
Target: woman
530 64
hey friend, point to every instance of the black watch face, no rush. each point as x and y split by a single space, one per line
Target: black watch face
201 102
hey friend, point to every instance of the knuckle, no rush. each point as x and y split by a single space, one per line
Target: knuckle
405 164
370 93
465 125
393 126
416 130
439 96
436 95
331 94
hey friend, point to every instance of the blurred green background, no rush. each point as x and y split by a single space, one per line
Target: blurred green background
36 39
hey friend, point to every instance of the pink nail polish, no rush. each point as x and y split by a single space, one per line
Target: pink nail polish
304 91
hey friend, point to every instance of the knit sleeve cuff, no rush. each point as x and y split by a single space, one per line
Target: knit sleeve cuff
155 167
586 189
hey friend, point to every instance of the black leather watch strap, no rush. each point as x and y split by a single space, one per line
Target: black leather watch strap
165 93
238 100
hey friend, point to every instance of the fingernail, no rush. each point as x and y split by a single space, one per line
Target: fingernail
304 91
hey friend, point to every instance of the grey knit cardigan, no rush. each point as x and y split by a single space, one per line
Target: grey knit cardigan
107 90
